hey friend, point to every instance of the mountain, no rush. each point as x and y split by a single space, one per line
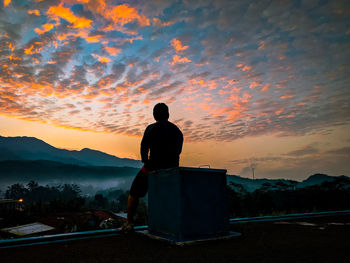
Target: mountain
31 148
316 179
43 171
251 185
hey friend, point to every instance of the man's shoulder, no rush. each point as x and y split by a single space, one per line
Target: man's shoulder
175 128
173 125
150 127
162 124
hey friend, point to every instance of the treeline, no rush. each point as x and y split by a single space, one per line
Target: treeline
284 199
41 200
270 199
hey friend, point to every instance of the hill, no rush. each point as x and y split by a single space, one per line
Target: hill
236 182
31 148
15 171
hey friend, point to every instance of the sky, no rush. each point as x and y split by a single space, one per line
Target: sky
263 84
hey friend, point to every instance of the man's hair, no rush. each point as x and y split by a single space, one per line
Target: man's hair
161 112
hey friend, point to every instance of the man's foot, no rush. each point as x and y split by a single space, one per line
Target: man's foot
126 228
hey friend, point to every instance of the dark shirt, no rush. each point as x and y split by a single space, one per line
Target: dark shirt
161 145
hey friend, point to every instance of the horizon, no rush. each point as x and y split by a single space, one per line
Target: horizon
237 175
251 84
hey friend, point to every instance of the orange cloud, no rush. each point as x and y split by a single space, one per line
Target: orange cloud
121 14
219 112
32 50
34 12
101 58
261 45
45 28
132 39
112 51
178 59
14 58
11 46
6 2
233 97
254 84
83 34
244 68
287 96
292 115
56 12
178 45
278 112
246 97
265 88
233 114
158 22
91 39
205 106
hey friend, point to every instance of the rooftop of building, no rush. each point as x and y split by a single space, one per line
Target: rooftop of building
321 239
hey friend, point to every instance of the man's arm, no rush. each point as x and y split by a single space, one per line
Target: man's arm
180 141
145 146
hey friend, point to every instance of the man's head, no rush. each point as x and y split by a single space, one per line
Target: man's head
161 112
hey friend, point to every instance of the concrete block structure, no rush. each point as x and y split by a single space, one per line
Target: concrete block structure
188 203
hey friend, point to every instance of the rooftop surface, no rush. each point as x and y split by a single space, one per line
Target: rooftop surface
323 239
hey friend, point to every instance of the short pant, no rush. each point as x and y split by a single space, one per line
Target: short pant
139 186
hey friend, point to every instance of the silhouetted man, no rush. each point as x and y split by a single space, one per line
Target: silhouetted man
161 146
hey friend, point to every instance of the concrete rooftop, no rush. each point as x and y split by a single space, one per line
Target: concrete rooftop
324 239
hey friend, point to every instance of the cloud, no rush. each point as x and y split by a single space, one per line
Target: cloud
160 23
45 28
118 15
6 2
101 58
297 165
178 46
305 150
118 69
344 151
34 12
57 12
258 77
178 59
112 51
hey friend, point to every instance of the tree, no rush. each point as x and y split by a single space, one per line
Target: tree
16 191
70 191
282 186
32 185
100 201
265 187
122 201
238 188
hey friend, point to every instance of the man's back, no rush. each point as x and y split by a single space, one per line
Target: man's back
163 140
161 146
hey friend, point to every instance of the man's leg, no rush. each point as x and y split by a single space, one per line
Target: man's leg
138 189
131 208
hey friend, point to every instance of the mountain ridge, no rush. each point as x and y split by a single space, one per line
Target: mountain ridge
251 185
31 159
32 148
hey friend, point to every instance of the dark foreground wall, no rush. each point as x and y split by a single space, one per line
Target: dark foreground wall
323 239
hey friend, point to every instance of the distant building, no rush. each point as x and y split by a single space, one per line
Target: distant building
7 205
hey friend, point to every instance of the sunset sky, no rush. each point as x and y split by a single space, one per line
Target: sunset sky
250 83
